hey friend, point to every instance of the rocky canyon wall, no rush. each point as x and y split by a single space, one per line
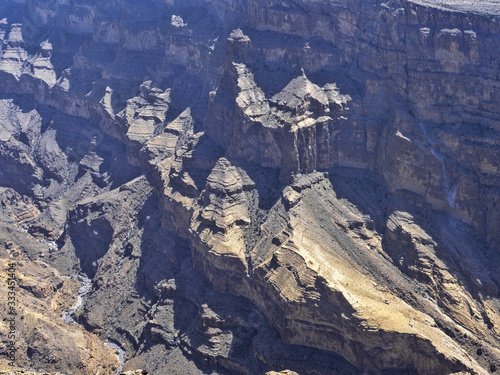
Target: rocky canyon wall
259 185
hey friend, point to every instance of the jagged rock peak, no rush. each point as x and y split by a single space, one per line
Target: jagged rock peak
167 143
238 36
224 178
300 97
15 38
225 202
148 90
239 47
42 66
146 112
290 131
298 91
219 223
251 98
13 56
183 123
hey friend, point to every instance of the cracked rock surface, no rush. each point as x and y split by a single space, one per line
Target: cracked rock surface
257 186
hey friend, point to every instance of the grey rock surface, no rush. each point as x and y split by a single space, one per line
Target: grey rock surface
260 185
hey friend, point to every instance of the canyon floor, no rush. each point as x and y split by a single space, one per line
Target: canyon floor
250 187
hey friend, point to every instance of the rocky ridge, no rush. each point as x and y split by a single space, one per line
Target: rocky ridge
388 260
25 372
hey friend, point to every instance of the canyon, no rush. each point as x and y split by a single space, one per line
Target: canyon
252 186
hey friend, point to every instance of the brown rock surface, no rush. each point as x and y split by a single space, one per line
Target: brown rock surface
291 130
43 339
253 185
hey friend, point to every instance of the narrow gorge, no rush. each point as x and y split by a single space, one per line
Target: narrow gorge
251 185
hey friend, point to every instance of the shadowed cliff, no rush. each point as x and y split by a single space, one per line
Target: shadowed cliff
259 185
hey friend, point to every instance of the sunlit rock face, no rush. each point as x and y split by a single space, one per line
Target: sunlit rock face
253 186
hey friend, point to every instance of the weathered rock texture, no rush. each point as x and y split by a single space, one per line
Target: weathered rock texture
42 338
256 185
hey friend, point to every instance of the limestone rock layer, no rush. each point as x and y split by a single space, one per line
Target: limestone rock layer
252 186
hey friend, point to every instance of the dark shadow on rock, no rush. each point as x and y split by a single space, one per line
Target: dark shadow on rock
66 140
91 241
199 165
241 326
266 180
436 237
361 188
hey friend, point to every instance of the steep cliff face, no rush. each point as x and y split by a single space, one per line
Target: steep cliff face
42 296
259 185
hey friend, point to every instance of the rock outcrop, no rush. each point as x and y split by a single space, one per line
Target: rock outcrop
42 338
291 130
253 185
